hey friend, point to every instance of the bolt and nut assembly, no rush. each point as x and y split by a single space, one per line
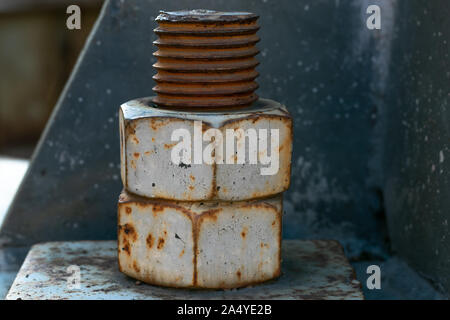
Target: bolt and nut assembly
204 162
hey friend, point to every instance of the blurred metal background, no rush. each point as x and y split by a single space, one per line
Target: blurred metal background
37 54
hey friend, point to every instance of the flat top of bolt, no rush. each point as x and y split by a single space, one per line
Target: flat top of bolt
205 16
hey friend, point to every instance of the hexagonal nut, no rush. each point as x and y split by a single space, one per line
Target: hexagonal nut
147 149
199 244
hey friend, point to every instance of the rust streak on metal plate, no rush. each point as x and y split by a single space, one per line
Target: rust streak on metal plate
206 59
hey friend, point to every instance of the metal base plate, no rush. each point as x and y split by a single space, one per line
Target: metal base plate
313 269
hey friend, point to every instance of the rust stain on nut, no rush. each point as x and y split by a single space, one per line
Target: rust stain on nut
170 145
126 247
244 232
149 241
157 208
136 267
129 231
210 214
206 59
160 243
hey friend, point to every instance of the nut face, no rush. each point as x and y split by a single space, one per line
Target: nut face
146 150
155 242
245 181
241 244
146 161
201 245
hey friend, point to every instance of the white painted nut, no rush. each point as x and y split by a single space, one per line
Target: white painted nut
147 148
199 244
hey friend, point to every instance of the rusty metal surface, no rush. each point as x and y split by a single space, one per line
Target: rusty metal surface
315 269
211 244
205 59
146 148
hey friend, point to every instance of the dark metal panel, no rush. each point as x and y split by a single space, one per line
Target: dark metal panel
417 154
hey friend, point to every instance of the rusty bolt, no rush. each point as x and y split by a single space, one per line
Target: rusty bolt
206 59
